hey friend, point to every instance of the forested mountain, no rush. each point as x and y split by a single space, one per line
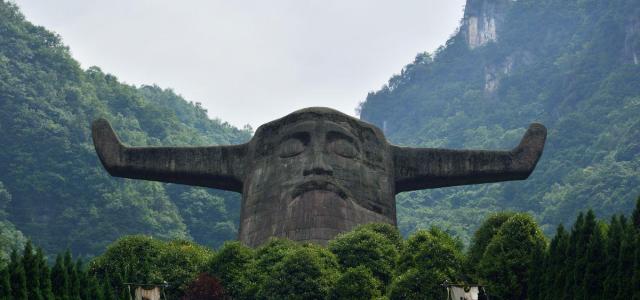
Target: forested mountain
572 65
53 188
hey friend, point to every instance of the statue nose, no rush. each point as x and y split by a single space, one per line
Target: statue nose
318 166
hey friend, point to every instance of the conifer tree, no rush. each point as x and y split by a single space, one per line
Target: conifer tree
570 263
94 289
5 283
83 279
45 276
635 280
555 273
32 272
60 279
18 279
625 262
614 237
75 276
536 273
109 292
595 266
582 242
635 217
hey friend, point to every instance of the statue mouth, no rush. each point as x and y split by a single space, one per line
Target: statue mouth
318 185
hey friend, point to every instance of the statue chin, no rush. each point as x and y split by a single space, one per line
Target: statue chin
317 216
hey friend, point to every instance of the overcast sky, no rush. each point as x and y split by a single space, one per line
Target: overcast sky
249 62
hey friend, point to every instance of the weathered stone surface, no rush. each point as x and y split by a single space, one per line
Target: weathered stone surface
315 172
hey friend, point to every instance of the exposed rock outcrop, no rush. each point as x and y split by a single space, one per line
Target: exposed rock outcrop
482 19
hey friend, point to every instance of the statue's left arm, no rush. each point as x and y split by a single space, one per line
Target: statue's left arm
423 168
218 167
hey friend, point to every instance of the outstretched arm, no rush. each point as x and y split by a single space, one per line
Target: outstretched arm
219 167
423 168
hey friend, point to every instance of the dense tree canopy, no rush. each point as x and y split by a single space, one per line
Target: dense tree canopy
570 64
60 195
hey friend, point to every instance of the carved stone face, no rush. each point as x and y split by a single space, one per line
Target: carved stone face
314 176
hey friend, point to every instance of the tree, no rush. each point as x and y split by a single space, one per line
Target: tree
147 260
5 283
626 261
389 231
60 279
595 269
356 283
635 217
635 280
367 248
231 265
204 287
94 289
307 273
429 257
46 289
614 238
536 274
483 236
18 277
570 262
555 273
31 265
582 242
505 263
416 284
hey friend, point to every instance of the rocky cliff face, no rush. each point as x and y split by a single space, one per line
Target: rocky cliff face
481 20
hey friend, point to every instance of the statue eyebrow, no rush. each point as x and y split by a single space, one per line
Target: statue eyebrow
336 129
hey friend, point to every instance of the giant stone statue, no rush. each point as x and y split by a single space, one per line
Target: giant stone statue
316 172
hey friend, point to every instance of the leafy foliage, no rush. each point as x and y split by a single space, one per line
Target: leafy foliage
60 195
142 259
569 64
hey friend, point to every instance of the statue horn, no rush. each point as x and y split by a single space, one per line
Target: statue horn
424 168
220 167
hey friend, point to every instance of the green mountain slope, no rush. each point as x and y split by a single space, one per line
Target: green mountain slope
60 195
571 64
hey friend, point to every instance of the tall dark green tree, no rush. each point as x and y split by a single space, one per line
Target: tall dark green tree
94 289
568 291
535 276
60 279
366 248
595 269
506 262
483 236
555 273
582 242
306 273
46 289
635 216
5 283
18 277
32 270
626 262
614 238
635 280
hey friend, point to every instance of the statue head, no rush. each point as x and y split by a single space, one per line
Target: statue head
316 172
313 174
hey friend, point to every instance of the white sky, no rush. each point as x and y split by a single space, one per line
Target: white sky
249 62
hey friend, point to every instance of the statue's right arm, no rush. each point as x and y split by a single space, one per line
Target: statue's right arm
219 167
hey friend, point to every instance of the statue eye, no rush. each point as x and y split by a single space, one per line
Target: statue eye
291 147
344 148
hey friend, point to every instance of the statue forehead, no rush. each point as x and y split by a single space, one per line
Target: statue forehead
319 119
